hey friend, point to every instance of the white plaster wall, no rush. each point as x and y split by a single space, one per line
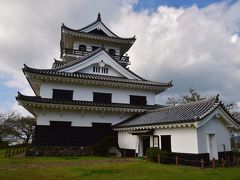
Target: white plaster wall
80 118
128 141
183 140
214 126
85 93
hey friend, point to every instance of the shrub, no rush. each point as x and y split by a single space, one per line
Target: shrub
101 147
152 154
3 144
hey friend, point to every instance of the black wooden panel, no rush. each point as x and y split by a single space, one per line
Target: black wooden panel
138 100
60 123
71 136
102 97
62 94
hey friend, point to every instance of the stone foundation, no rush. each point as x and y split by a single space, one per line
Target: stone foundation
58 151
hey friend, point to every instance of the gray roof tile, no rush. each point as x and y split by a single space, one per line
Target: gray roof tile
52 72
191 112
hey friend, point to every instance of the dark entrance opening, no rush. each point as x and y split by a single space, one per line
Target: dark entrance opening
166 143
146 144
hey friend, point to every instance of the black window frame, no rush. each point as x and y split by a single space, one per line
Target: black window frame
62 94
82 46
112 52
137 100
99 97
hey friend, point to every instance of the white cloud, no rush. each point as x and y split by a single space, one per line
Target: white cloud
190 46
234 38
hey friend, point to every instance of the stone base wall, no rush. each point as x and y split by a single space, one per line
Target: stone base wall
58 151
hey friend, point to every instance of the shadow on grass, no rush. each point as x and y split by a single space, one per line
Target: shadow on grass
95 172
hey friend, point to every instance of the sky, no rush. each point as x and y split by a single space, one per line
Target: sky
194 43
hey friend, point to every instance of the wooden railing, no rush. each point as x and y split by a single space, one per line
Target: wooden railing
16 150
122 59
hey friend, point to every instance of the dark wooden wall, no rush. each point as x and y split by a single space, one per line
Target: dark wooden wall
65 135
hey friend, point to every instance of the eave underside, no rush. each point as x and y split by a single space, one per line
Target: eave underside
37 103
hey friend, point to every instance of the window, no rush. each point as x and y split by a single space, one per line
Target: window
94 48
82 47
112 52
62 94
138 100
155 141
166 143
60 123
102 97
98 69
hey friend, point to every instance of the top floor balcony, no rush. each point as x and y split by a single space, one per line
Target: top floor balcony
81 53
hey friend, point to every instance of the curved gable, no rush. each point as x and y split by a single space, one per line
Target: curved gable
101 57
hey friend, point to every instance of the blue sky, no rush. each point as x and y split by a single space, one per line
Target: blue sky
152 5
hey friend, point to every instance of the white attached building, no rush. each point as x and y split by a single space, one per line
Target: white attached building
196 130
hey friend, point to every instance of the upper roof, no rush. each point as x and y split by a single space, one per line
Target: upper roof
186 113
98 28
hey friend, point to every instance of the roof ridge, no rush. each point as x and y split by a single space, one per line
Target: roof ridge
211 99
99 19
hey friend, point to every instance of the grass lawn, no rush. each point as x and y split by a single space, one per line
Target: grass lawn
103 168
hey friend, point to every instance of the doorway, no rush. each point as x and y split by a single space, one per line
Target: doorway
166 143
146 144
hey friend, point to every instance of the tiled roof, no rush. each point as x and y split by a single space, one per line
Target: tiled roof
98 20
186 113
38 99
52 72
123 40
58 63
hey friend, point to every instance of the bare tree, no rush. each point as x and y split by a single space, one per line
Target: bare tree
191 96
17 129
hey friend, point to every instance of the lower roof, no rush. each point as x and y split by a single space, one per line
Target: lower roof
36 101
186 113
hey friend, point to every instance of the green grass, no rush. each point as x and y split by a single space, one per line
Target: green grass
103 168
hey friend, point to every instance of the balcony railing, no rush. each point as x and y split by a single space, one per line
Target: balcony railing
121 59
